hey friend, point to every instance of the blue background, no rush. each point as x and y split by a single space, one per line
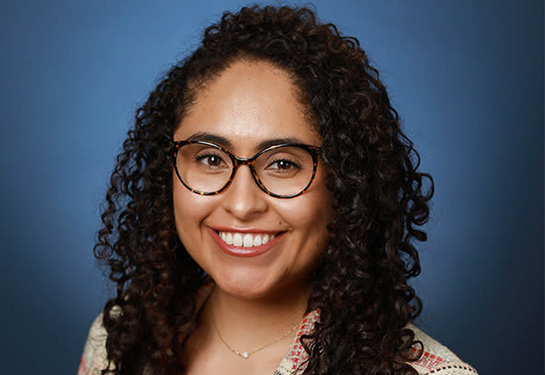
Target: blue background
466 77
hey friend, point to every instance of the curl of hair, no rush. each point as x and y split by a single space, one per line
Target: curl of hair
379 201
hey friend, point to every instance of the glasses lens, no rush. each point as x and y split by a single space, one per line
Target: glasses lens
203 167
286 170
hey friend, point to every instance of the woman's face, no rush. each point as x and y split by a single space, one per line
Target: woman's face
246 105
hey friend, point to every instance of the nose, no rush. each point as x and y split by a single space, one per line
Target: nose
243 198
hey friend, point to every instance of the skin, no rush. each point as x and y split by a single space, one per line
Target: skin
256 299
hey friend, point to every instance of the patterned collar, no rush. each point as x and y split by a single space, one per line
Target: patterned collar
295 360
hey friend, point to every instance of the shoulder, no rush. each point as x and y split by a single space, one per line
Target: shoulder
436 358
94 358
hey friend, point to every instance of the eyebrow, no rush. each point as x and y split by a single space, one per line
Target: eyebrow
224 142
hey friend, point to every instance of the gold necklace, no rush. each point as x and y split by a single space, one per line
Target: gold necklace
247 354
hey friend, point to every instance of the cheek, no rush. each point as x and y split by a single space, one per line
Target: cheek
309 214
308 220
189 211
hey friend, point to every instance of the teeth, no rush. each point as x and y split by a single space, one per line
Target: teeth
245 240
248 240
226 237
237 239
257 240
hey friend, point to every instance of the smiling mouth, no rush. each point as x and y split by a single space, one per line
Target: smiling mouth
246 240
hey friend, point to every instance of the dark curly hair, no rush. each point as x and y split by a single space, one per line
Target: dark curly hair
379 200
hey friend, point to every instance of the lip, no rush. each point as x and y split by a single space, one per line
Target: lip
242 230
245 252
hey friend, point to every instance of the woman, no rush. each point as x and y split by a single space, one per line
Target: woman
261 214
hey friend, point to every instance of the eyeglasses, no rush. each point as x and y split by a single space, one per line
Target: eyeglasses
282 171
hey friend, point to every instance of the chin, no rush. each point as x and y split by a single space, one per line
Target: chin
248 285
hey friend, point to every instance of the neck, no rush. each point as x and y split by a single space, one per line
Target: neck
247 324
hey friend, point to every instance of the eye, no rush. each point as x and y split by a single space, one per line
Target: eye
283 165
211 160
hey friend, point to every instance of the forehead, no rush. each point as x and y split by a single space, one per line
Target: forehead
247 104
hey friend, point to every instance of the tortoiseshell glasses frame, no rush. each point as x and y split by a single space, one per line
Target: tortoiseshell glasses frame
313 151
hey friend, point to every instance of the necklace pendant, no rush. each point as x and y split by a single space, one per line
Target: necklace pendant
245 355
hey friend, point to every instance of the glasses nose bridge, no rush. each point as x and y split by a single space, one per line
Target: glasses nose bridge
237 162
